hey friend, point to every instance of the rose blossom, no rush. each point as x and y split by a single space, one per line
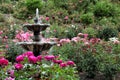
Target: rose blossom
94 40
75 39
19 58
49 57
28 53
63 65
71 63
80 34
1 32
85 35
62 41
39 58
11 73
6 46
47 18
9 78
3 62
57 61
32 59
18 66
66 18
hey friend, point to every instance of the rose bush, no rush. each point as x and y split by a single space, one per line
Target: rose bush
44 67
91 56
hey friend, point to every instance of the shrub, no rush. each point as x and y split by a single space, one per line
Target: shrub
61 3
41 67
21 11
57 15
84 59
72 31
12 51
5 1
87 18
33 4
1 17
91 31
54 31
91 56
105 9
6 8
110 70
107 33
85 4
12 31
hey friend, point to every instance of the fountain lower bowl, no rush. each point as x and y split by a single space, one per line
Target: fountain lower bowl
39 46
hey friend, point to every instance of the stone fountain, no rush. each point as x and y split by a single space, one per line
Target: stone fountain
38 45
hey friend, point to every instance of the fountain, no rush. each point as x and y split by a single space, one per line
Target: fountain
38 45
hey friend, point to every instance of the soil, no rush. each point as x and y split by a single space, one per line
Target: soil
98 77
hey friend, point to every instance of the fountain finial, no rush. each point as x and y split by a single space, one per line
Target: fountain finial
37 19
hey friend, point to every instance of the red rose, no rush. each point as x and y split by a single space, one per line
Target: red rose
18 66
32 59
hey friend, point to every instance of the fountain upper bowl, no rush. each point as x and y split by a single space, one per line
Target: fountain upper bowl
36 27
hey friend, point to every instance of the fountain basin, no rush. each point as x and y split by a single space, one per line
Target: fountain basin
36 27
36 47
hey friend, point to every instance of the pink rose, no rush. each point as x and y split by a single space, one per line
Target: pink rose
28 53
70 63
1 32
47 18
19 58
80 34
75 39
94 40
9 78
39 58
49 57
18 66
11 73
63 65
6 46
66 18
85 35
32 59
3 62
62 41
57 61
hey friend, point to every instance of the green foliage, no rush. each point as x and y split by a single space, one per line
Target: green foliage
1 17
33 4
12 31
110 70
105 9
100 57
21 11
84 5
107 33
91 31
54 31
87 18
85 60
5 1
46 70
90 64
13 51
6 8
61 4
72 31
